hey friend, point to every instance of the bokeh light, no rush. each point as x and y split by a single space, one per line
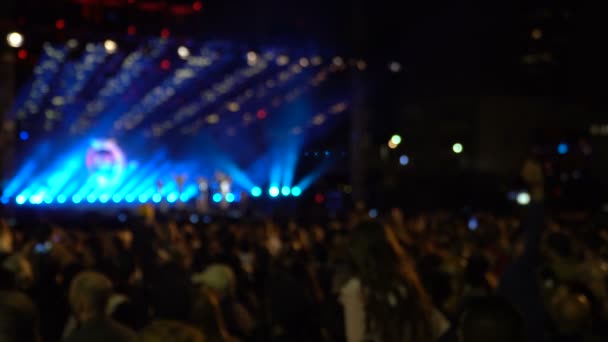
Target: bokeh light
256 192
457 148
15 39
273 191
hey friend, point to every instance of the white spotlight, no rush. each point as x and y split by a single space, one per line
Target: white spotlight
183 52
15 39
457 148
110 46
523 198
252 58
394 66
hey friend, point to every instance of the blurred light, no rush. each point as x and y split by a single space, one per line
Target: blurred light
132 30
217 198
104 198
197 6
392 145
252 58
72 43
76 198
473 223
282 60
394 66
562 148
536 34
194 219
130 198
361 65
317 60
304 62
15 39
183 52
229 197
261 114
213 119
457 148
165 64
5 200
91 198
22 54
172 197
116 198
20 199
285 191
233 107
110 46
142 198
404 160
24 135
61 199
319 198
157 198
60 24
523 198
396 139
256 192
273 191
318 120
338 61
296 191
373 213
165 33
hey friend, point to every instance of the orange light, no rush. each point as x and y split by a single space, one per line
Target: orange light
197 6
60 24
22 54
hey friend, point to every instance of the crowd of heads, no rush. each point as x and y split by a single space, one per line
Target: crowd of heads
506 278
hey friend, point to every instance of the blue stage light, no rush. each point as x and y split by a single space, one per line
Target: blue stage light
116 198
184 197
229 197
256 192
130 198
157 198
217 198
143 198
4 200
20 199
172 197
61 199
273 191
562 148
285 191
91 198
48 199
76 198
24 135
104 198
296 191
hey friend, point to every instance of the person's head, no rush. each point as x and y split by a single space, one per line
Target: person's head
572 313
89 294
491 319
170 331
18 321
393 292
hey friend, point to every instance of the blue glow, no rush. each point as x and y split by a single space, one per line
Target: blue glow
404 160
116 198
130 198
285 191
172 197
24 135
104 198
217 198
157 198
91 198
229 197
5 200
562 148
273 191
20 199
76 198
296 191
256 192
48 199
143 198
61 199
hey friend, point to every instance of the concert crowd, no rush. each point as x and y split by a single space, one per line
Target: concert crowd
532 275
